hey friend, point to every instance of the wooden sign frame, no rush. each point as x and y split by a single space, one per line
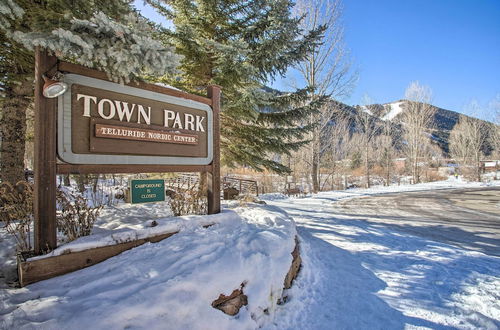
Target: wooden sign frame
47 165
74 126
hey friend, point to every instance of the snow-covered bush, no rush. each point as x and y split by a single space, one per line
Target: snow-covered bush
122 50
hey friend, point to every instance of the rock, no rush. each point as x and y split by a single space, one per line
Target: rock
231 304
294 269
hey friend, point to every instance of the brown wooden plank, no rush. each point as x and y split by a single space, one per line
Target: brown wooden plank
64 168
214 175
42 269
142 134
96 144
44 199
82 70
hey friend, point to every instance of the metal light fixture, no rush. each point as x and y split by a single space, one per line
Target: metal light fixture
53 88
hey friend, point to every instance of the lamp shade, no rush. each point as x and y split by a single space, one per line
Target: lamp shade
53 88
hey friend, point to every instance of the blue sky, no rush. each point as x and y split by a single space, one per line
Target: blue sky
452 46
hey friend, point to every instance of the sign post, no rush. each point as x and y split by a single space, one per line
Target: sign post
213 176
44 193
105 127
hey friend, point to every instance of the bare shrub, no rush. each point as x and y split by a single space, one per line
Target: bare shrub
358 172
468 172
244 200
75 218
16 211
187 199
434 175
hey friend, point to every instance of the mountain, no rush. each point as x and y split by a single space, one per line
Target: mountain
443 121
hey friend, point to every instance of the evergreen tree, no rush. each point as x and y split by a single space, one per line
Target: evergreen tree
106 35
240 46
355 160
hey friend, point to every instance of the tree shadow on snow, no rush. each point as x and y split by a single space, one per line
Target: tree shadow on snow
346 296
424 273
448 234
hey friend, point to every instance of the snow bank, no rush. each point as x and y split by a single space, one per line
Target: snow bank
169 284
451 183
272 196
162 226
8 263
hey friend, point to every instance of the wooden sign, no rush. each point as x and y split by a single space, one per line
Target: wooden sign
98 126
147 191
101 122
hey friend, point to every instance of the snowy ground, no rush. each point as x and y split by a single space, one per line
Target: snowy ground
170 284
358 273
362 273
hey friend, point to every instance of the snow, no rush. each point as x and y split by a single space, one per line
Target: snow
8 264
395 109
451 183
273 196
490 164
166 85
366 110
169 284
357 273
162 226
361 274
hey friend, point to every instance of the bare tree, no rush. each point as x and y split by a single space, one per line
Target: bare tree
495 136
495 132
467 140
417 119
337 139
367 128
327 69
459 148
385 145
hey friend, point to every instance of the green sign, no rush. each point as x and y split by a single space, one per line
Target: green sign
145 191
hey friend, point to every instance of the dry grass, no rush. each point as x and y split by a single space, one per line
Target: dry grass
16 212
75 218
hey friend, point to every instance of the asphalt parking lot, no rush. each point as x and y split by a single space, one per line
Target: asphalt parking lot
469 218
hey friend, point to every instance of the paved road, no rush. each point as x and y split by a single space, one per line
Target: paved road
469 218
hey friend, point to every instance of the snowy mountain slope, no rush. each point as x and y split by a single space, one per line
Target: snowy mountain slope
394 110
443 121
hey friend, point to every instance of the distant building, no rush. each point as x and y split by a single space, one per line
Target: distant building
490 165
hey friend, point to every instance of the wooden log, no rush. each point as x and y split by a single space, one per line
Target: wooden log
44 198
42 269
